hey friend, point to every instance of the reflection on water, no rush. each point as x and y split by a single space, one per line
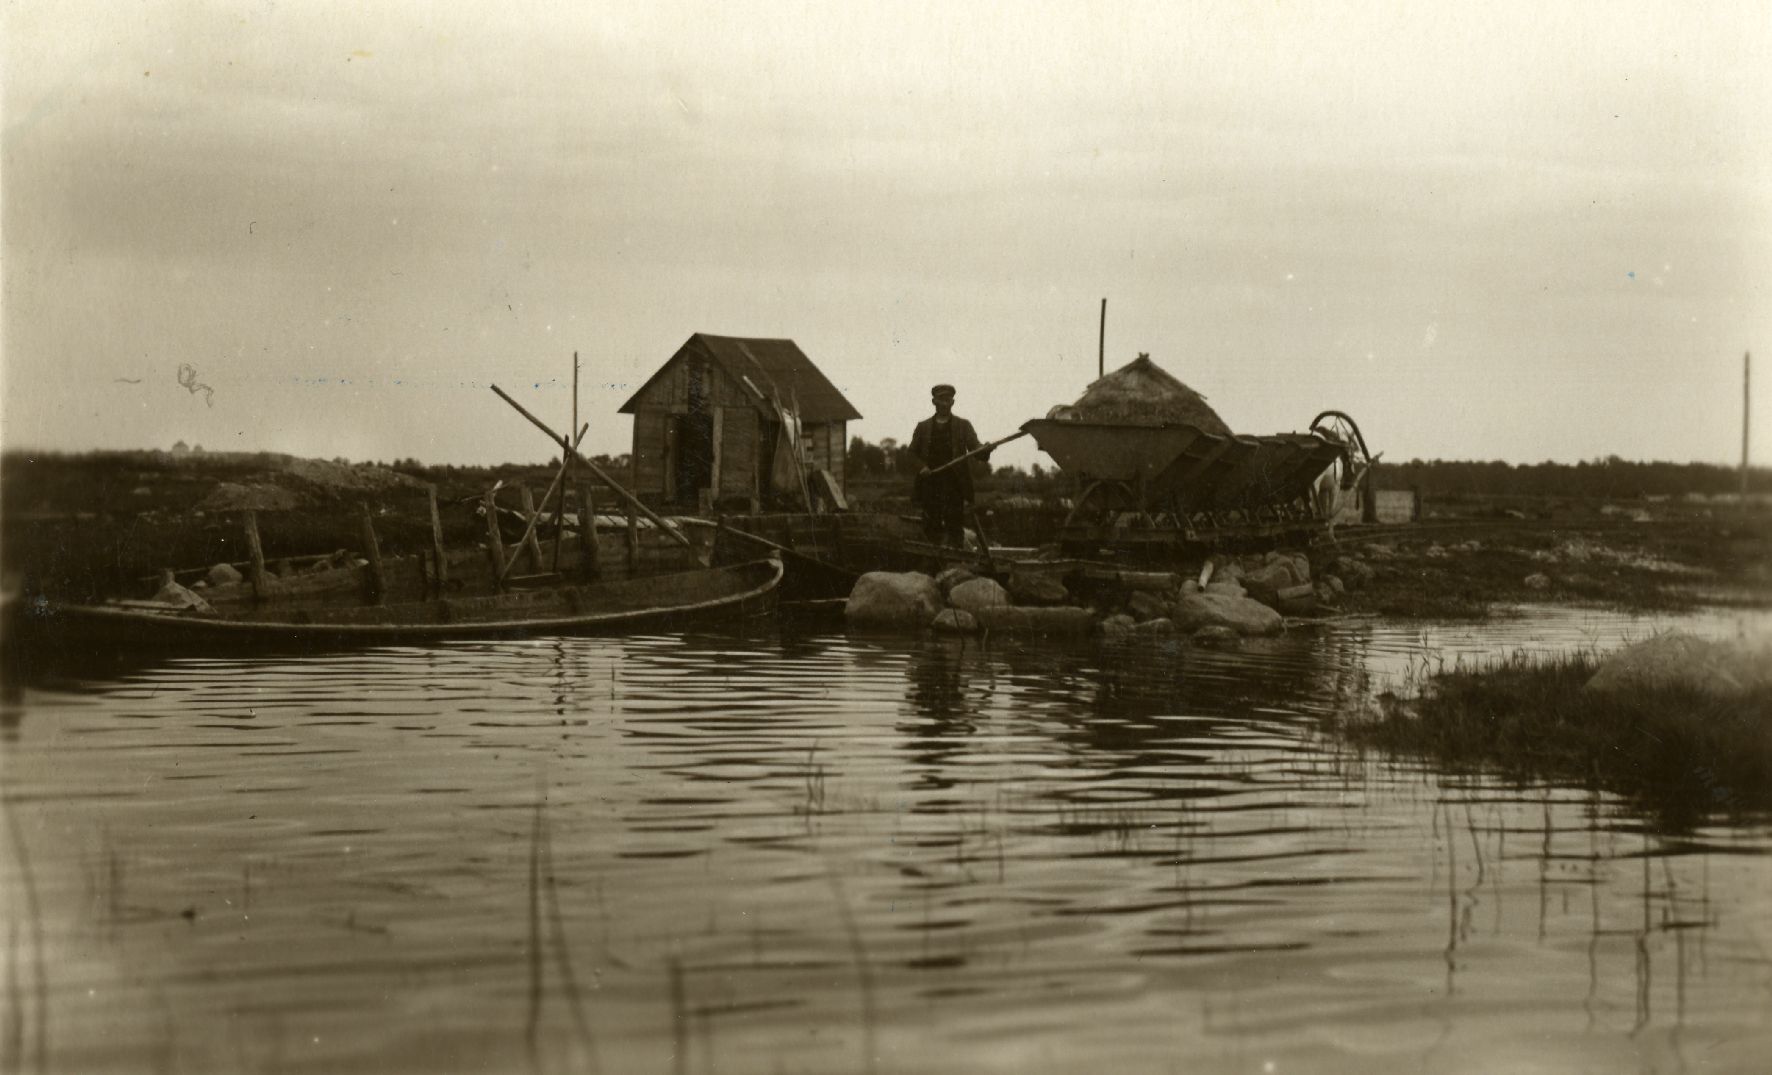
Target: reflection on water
717 853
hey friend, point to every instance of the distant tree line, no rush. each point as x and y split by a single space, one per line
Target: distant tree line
1611 477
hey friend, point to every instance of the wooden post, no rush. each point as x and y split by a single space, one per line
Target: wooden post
372 552
440 577
530 545
260 587
587 531
1747 370
633 542
1101 345
495 545
1368 497
566 473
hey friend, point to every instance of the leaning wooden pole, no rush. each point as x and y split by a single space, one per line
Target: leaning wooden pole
614 486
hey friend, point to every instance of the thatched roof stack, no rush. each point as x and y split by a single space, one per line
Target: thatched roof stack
1142 392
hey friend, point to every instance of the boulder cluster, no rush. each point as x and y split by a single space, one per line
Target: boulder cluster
1228 599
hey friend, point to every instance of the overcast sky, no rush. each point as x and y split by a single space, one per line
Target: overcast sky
1514 231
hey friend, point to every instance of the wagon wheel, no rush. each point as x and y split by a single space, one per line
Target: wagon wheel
1337 428
1100 496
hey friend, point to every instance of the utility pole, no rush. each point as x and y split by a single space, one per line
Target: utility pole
1101 345
1747 369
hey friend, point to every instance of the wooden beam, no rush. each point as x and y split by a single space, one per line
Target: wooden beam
441 575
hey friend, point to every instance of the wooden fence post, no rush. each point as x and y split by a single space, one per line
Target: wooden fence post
440 577
256 551
587 531
495 545
372 552
530 544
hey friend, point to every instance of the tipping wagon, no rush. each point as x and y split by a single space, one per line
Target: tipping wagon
1157 487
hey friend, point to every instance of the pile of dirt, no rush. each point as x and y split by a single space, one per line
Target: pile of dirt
254 496
347 478
1140 392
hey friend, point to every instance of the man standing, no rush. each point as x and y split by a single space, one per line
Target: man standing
940 439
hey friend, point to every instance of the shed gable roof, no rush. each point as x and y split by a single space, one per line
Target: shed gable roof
769 369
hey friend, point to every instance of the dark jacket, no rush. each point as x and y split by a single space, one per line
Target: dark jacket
965 440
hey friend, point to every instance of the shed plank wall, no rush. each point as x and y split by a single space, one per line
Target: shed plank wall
649 452
738 453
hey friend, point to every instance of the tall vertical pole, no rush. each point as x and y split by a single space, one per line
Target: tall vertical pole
1747 370
1101 345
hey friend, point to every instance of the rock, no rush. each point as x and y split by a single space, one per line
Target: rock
1217 636
1538 581
1062 620
955 621
1275 575
953 577
1355 571
1381 551
1162 625
893 599
1146 606
1300 600
1514 513
1148 581
1117 626
1225 588
1681 661
978 593
1223 610
223 575
1190 586
1336 586
1322 593
1437 552
1033 586
176 596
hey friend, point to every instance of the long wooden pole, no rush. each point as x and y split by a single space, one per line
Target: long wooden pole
614 486
982 448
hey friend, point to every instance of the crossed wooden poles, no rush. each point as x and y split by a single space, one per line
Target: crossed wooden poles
570 455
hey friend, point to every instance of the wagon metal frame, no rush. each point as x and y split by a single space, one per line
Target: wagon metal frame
1148 486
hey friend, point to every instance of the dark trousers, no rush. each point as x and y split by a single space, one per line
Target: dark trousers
944 512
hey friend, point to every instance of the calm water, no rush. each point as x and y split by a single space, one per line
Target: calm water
832 854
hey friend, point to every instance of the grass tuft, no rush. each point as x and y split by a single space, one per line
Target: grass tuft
1685 755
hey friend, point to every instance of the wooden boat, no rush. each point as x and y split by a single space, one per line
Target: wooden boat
596 607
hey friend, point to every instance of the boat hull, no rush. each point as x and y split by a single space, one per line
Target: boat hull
699 596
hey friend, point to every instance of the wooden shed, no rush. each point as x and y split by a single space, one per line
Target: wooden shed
741 423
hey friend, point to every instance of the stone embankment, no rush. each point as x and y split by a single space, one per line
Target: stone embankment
1230 598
